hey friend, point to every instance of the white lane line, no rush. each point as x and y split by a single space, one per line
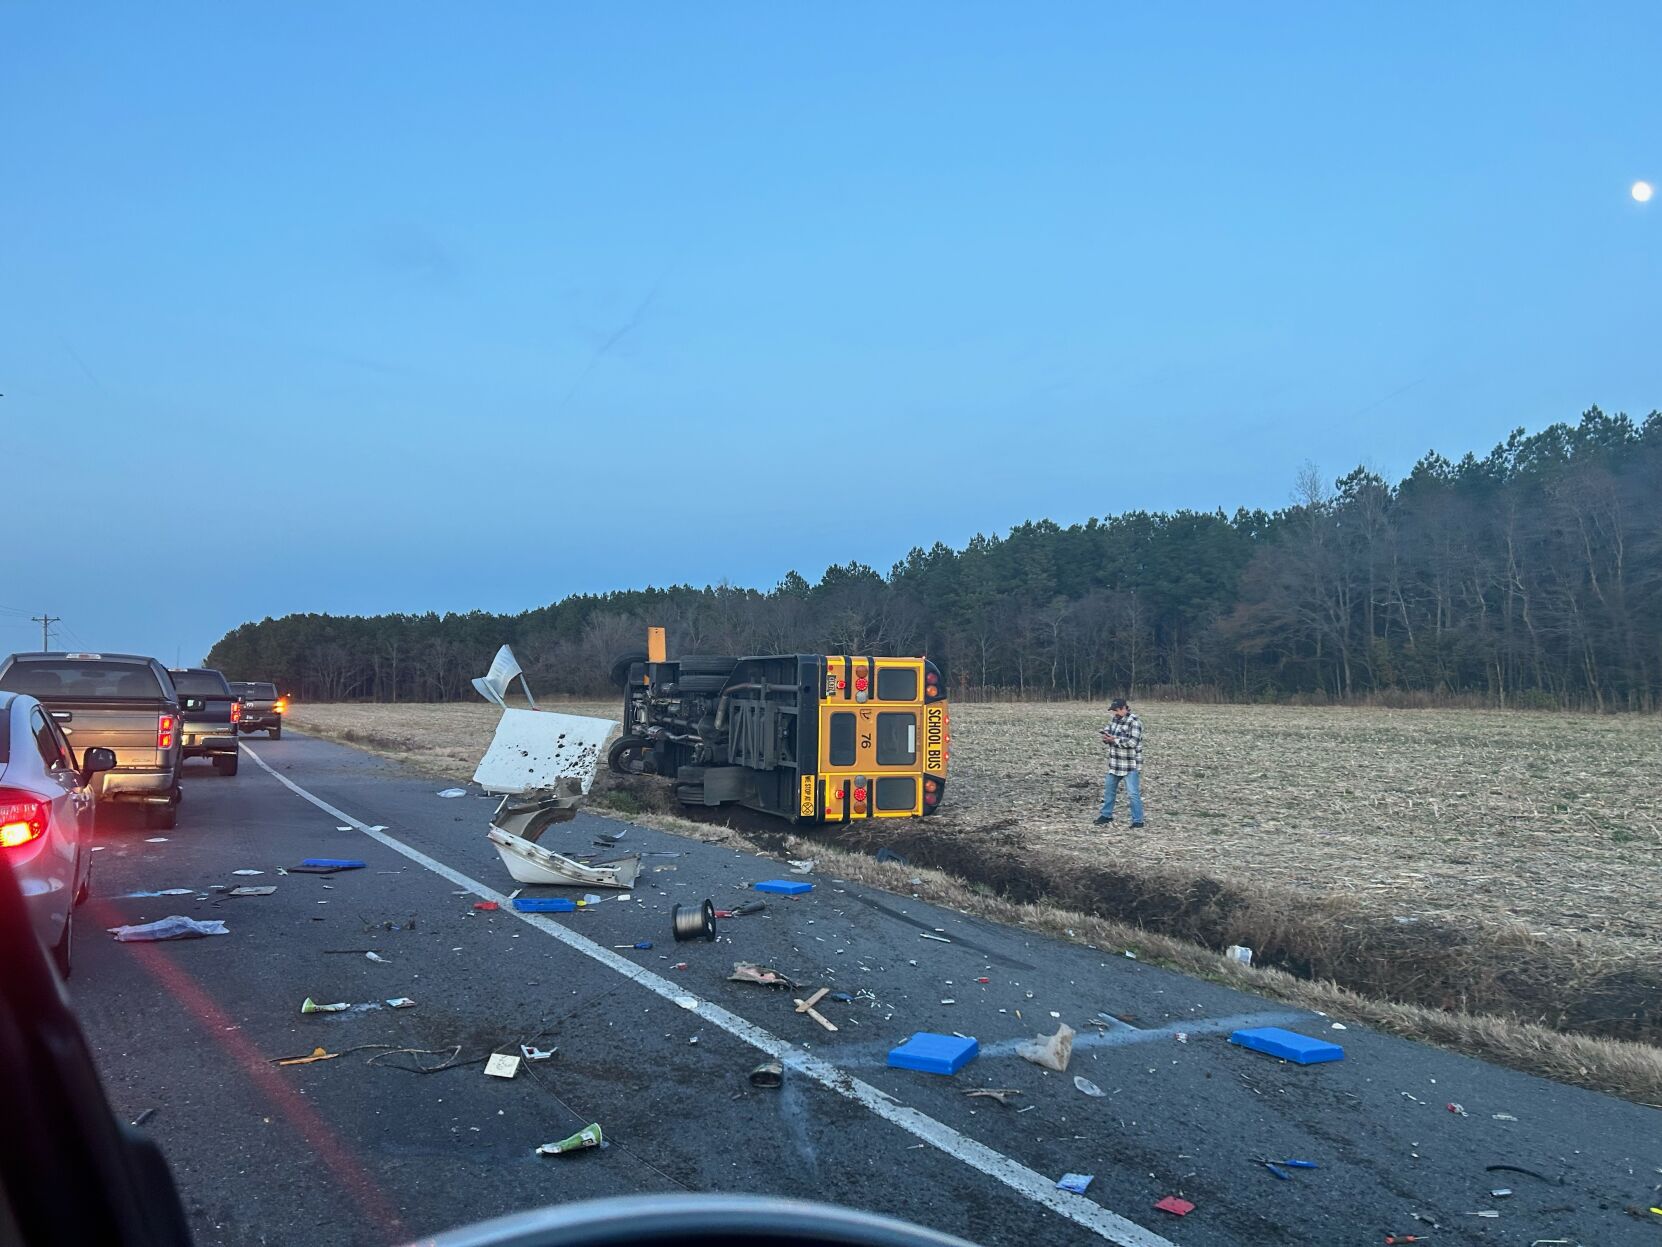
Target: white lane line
1012 1173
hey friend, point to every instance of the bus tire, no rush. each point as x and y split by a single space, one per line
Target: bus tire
629 755
707 664
620 669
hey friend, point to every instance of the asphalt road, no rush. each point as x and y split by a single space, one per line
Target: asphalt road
348 1152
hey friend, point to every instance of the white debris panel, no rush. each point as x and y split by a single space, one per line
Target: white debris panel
534 750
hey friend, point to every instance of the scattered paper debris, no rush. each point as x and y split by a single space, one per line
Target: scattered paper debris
1050 1051
400 1002
252 890
1075 1182
751 972
501 1064
248 872
589 1136
1172 1204
536 1054
453 792
309 1005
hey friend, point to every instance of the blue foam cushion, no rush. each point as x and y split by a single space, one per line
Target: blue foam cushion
785 887
1288 1045
934 1054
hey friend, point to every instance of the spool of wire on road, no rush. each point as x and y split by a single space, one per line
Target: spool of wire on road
694 922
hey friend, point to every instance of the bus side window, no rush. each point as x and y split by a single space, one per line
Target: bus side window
897 738
897 684
841 747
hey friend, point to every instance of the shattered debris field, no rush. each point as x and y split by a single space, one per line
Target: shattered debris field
1486 862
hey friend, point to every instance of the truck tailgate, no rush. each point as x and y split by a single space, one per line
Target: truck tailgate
128 729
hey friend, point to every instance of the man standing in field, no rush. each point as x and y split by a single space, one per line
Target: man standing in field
1124 737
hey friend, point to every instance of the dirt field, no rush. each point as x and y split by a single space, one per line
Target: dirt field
1483 861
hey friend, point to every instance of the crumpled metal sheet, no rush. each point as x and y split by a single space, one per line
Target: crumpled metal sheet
535 749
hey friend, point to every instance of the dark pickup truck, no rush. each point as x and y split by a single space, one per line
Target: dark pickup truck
123 702
211 712
262 708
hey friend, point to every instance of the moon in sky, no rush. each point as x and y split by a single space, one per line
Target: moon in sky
1642 191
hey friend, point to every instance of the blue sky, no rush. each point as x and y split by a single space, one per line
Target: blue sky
405 307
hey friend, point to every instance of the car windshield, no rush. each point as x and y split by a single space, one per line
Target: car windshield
83 681
200 683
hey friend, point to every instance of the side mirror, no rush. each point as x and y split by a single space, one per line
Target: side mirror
94 761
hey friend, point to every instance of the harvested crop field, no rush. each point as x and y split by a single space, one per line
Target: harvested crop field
1488 862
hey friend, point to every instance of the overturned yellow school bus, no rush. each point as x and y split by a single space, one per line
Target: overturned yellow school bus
812 738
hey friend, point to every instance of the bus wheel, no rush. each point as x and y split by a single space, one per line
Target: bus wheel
620 669
632 755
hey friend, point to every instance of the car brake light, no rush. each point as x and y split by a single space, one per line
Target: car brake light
236 712
164 731
22 817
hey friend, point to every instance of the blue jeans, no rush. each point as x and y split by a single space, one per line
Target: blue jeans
1133 787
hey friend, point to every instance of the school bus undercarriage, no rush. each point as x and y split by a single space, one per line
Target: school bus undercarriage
811 738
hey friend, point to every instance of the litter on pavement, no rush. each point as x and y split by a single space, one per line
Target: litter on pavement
309 1005
800 867
589 1136
173 927
807 1006
1288 1045
372 955
334 863
1279 1167
502 1065
1172 1204
750 972
544 905
1001 1094
245 890
939 939
248 872
1087 1086
641 945
164 892
400 1002
768 1074
1075 1182
1050 1051
453 792
689 922
784 887
486 906
536 1054
157 840
933 1053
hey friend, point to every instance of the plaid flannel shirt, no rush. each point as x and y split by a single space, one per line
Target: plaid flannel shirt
1124 738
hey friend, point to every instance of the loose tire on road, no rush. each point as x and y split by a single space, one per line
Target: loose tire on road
226 763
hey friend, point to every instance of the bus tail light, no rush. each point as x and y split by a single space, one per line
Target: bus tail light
22 817
858 796
164 731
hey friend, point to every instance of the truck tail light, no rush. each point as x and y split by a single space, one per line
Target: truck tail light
164 731
282 705
236 712
23 817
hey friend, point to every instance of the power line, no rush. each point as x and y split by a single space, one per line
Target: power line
45 621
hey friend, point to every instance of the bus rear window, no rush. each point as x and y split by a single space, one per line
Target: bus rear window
897 684
897 792
897 739
842 739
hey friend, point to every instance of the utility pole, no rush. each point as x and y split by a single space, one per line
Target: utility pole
46 622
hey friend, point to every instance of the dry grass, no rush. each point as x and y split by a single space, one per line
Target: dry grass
1474 875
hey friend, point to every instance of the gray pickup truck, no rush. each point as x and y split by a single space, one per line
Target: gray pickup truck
123 702
211 712
262 708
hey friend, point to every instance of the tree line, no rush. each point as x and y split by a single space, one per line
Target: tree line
1530 576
